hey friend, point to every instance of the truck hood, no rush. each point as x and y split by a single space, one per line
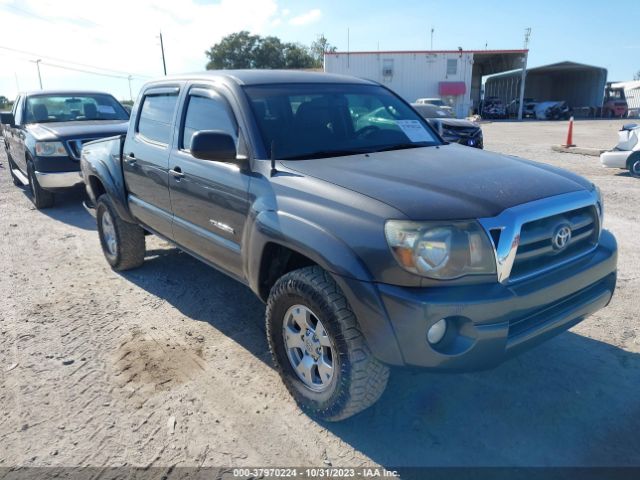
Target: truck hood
79 129
445 183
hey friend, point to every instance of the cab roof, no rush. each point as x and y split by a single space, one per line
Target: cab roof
262 77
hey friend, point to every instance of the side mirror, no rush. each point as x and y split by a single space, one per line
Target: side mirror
7 119
213 145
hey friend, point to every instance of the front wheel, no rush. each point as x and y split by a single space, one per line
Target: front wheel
122 242
41 198
318 348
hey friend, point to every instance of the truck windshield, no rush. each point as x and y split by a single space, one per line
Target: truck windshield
301 121
71 107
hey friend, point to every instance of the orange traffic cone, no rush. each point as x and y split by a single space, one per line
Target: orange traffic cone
569 142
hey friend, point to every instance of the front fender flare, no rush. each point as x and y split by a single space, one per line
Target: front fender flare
336 257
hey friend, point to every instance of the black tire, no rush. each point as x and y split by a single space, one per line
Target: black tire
128 249
40 197
12 165
633 165
359 379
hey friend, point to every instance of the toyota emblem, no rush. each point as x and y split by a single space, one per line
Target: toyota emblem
561 237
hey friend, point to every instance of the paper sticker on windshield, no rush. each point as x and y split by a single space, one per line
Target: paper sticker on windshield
414 130
108 109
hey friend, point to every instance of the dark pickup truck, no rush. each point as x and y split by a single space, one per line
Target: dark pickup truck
372 244
44 133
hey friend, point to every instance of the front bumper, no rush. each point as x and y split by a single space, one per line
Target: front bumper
489 323
475 140
56 180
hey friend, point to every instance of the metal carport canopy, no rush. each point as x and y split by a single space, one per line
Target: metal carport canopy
579 84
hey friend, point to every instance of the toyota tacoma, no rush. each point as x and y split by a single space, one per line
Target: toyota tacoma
372 245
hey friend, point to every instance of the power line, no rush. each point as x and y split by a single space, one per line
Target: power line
74 69
48 20
24 52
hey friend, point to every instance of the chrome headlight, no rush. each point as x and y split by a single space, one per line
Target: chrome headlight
50 149
439 250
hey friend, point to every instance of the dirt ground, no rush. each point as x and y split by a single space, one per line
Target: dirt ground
168 364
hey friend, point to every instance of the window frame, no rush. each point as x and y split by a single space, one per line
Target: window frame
450 61
211 93
151 92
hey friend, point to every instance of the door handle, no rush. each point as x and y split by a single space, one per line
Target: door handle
130 159
176 173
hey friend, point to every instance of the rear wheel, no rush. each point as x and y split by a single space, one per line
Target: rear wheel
122 242
12 165
318 349
41 198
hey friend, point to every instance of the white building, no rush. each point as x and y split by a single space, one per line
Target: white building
453 75
632 94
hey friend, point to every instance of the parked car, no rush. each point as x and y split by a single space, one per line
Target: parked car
615 103
528 109
372 243
44 134
553 110
438 102
493 107
452 130
626 154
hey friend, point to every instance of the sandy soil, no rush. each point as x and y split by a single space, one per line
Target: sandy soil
168 364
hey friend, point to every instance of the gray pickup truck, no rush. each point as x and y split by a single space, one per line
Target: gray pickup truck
371 244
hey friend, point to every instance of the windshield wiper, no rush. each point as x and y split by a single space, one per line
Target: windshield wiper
323 154
401 146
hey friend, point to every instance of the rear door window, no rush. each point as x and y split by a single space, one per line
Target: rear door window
156 116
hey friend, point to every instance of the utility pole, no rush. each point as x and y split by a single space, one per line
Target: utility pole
17 83
164 63
348 49
523 77
432 30
37 62
130 95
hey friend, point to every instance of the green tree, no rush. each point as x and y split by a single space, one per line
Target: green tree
297 56
318 47
3 100
233 51
243 50
269 53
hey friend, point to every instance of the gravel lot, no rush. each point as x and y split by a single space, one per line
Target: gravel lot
168 364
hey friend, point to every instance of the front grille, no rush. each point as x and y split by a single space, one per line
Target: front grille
537 251
75 146
465 131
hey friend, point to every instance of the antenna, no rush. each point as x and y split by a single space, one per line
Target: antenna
348 48
527 36
273 158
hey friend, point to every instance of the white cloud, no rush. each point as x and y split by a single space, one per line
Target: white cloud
121 36
306 18
285 12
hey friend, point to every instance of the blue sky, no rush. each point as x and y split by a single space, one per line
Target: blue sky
581 31
109 35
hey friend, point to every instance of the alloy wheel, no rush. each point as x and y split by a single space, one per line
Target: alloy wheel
109 234
309 348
